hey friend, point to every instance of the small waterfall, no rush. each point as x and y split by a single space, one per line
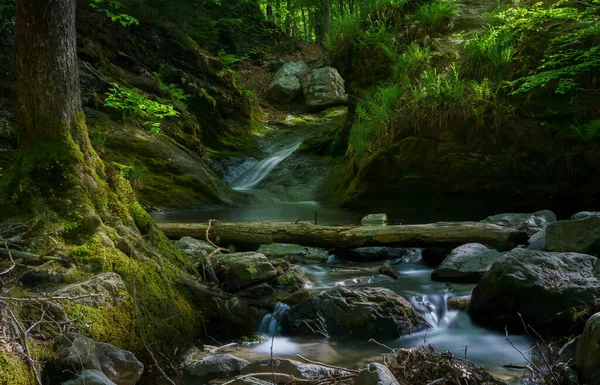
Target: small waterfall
260 170
433 307
270 323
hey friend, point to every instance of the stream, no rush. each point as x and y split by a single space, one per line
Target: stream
453 330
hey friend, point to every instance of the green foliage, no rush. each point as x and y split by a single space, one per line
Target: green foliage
98 140
133 104
410 63
585 133
343 30
436 16
176 94
109 8
135 174
489 54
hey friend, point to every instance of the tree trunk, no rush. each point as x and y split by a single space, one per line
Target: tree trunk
325 19
307 234
341 3
304 22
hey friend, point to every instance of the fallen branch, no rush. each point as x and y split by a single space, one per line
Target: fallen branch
218 294
327 365
42 299
217 249
565 346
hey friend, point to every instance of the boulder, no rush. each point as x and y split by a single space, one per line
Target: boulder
324 87
376 374
374 220
275 65
371 312
531 223
459 303
90 377
587 358
585 214
466 263
294 253
543 287
291 299
286 85
240 270
368 254
294 277
107 289
76 352
578 236
388 270
433 256
297 369
216 366
257 291
537 241
199 251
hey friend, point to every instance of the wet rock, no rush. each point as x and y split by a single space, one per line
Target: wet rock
216 366
199 251
458 303
107 289
295 253
240 270
324 87
466 263
257 291
531 223
90 377
433 256
537 241
379 279
376 374
120 366
291 299
388 270
286 85
251 381
542 286
374 220
578 236
358 312
585 214
294 277
368 254
294 368
587 358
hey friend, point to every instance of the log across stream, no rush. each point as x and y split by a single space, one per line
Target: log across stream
309 234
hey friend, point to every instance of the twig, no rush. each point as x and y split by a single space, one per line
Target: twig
11 260
380 344
565 346
326 365
517 349
26 347
544 358
43 299
217 249
221 348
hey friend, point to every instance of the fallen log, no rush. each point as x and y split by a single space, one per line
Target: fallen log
309 234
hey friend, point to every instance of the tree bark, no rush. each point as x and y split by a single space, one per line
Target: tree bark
304 22
341 6
307 234
325 19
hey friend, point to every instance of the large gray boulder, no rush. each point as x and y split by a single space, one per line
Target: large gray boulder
324 87
543 287
537 241
578 236
585 214
587 357
297 369
294 277
375 374
77 352
372 312
199 250
466 263
286 86
90 377
530 223
240 270
107 289
216 366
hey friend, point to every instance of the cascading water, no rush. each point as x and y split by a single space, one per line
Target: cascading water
260 170
271 323
433 307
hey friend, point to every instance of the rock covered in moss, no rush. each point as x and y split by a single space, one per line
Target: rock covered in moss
375 374
360 312
107 289
216 366
543 287
294 277
77 352
578 236
199 251
466 263
388 270
531 223
324 87
240 270
286 85
90 377
588 351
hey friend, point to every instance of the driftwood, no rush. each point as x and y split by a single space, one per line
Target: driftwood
308 234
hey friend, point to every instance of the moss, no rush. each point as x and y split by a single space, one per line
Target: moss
14 370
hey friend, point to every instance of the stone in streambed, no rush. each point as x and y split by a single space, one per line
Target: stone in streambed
90 377
388 270
216 366
578 236
297 369
240 270
530 223
294 277
324 87
587 358
286 85
369 312
542 286
466 263
376 374
374 220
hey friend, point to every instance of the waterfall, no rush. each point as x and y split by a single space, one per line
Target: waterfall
260 170
270 323
433 307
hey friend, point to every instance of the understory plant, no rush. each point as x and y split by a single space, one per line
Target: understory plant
437 15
